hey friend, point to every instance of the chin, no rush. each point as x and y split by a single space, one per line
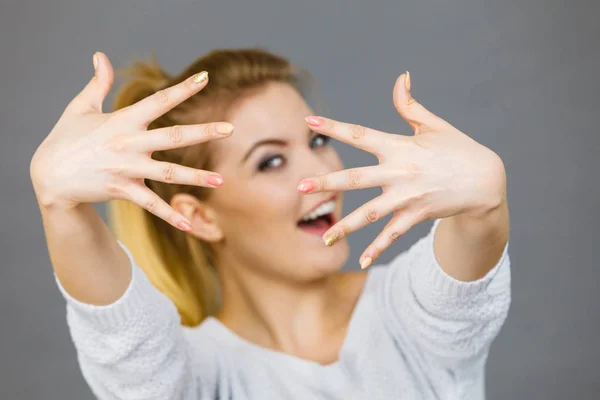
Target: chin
328 260
307 262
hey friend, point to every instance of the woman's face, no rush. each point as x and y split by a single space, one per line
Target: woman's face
258 208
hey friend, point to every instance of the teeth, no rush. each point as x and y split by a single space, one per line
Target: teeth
323 209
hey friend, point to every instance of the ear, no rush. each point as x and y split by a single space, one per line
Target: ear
201 215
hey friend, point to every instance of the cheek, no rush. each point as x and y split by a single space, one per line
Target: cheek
258 202
273 201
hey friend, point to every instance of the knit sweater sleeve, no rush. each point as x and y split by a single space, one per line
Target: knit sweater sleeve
133 348
449 321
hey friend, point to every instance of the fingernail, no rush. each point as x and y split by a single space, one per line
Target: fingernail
365 262
96 61
331 238
185 225
200 77
306 186
214 180
314 121
407 81
224 128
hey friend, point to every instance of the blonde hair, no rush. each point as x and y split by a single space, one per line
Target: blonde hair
180 265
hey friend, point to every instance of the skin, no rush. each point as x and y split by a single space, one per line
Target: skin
281 287
252 218
257 208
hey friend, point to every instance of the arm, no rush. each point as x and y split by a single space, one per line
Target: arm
127 334
453 322
438 173
468 245
450 292
76 234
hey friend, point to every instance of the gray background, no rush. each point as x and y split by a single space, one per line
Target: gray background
518 76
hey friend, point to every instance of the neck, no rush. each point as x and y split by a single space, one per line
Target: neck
288 316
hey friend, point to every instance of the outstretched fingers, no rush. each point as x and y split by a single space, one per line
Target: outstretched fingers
358 136
402 221
92 96
151 202
411 110
147 110
167 172
366 214
179 136
347 179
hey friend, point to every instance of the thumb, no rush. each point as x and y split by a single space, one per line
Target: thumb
412 111
93 94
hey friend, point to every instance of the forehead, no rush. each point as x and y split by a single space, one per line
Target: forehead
275 111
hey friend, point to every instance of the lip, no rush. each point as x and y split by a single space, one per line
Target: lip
330 198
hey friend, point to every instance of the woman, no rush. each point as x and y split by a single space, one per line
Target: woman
220 286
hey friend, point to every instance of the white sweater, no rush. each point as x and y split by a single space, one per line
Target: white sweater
416 333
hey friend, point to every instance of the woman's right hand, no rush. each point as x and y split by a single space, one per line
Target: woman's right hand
91 156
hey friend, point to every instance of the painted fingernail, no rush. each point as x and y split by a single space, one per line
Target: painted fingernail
365 262
314 121
331 238
185 225
407 81
214 180
200 77
306 186
224 128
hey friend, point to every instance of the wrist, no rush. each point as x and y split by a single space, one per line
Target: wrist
489 191
486 219
486 208
49 202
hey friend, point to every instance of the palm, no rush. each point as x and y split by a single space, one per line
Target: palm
437 173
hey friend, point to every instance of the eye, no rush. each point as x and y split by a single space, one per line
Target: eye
319 140
271 162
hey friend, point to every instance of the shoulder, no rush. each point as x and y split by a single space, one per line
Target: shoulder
208 354
202 338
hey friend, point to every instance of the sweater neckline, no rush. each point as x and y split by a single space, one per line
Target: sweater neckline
223 334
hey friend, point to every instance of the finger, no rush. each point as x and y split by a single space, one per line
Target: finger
179 136
366 139
151 202
147 110
347 179
167 172
401 223
412 111
366 214
92 96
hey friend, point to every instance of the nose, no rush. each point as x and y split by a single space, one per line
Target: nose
318 163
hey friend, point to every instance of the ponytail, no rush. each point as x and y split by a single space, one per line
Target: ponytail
177 263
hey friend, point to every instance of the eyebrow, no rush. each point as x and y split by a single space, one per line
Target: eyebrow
275 142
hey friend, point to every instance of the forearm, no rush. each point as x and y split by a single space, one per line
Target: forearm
468 246
127 334
452 320
85 255
133 347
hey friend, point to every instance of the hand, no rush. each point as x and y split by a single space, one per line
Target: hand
91 156
439 172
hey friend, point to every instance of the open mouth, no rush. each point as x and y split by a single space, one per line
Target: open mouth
318 221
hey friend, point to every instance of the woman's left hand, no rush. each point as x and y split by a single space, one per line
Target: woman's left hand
439 172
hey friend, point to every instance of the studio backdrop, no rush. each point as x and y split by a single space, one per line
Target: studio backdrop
520 77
